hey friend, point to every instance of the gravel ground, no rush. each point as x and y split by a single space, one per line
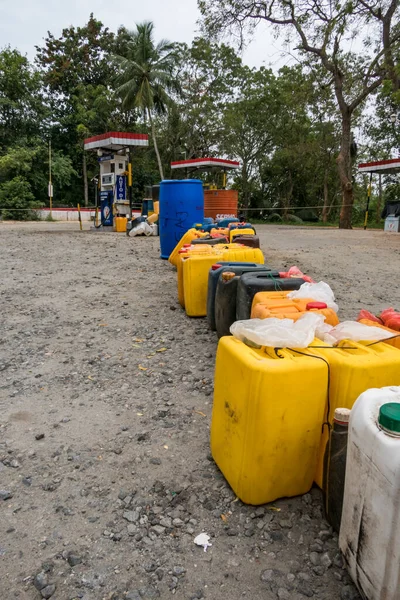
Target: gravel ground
106 395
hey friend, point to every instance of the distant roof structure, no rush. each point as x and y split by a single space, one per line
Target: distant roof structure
115 140
386 167
205 163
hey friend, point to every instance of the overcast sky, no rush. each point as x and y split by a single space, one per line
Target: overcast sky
24 23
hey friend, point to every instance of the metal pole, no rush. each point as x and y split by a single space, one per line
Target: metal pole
80 218
129 181
368 199
50 183
379 206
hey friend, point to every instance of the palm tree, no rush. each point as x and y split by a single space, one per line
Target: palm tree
145 79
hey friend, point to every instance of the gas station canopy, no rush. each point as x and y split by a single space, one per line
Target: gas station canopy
115 140
205 163
386 167
391 212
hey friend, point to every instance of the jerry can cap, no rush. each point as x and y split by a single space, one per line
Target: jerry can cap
317 305
342 415
227 275
389 417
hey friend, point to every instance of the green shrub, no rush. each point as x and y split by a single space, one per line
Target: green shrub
17 200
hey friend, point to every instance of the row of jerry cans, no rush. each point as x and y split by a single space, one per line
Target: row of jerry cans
238 291
273 408
193 264
222 235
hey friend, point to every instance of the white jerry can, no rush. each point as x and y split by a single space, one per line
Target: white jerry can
370 528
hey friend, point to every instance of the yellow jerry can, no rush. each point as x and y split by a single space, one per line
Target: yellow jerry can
267 418
354 367
202 251
195 274
191 234
120 224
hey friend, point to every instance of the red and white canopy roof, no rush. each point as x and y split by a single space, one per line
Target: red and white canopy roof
391 165
116 140
205 163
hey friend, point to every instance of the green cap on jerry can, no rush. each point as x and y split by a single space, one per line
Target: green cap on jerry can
389 417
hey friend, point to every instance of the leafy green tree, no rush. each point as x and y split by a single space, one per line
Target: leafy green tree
211 74
249 125
301 169
22 110
145 79
324 31
78 75
30 164
17 199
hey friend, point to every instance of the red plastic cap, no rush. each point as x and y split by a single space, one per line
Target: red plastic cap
186 245
318 305
215 267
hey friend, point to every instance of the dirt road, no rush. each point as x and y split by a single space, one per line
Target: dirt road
106 393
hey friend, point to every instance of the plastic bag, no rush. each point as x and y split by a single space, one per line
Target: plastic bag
391 318
365 314
141 229
321 292
350 330
281 333
295 272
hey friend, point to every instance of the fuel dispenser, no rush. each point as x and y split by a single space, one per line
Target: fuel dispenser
115 181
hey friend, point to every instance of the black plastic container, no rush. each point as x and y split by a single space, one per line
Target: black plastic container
226 296
251 283
335 467
210 241
253 241
214 274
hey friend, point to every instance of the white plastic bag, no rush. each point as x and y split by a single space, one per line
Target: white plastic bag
281 333
203 539
142 229
321 292
350 330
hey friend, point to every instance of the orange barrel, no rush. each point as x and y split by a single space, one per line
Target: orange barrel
219 203
273 304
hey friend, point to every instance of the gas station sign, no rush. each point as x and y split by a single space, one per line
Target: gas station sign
120 186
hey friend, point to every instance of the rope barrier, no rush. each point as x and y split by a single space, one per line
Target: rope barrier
215 206
296 207
63 208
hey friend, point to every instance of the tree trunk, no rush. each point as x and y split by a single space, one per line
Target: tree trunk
85 182
288 197
344 168
153 133
388 47
245 188
326 209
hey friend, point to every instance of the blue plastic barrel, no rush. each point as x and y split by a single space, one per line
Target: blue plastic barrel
181 205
